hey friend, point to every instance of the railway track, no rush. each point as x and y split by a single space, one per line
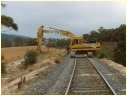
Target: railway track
86 80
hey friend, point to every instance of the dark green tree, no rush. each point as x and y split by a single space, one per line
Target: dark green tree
86 37
58 43
31 42
18 41
94 36
3 5
6 43
7 22
120 50
120 53
30 58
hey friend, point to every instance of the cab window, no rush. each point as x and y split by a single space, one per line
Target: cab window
80 41
75 41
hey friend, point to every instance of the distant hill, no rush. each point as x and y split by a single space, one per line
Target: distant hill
12 36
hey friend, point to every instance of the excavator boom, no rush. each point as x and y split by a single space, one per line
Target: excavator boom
64 32
78 44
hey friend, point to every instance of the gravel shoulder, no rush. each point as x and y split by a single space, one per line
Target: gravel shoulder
113 76
54 80
114 65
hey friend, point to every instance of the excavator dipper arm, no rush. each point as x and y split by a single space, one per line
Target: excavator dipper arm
54 30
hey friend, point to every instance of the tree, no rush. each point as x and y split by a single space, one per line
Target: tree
3 5
30 58
31 42
120 53
100 29
58 43
6 43
120 50
7 22
86 37
18 41
122 32
94 36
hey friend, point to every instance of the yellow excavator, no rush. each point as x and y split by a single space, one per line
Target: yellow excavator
77 46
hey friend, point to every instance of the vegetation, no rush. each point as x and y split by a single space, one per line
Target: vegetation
58 43
110 35
12 36
105 54
31 42
107 35
30 58
21 82
120 53
6 43
8 22
57 61
3 5
16 41
3 67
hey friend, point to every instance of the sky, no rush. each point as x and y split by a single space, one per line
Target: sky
78 17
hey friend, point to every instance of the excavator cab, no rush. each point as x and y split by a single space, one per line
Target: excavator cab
81 49
76 45
76 42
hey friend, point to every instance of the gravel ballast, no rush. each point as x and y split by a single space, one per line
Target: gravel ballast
53 82
114 78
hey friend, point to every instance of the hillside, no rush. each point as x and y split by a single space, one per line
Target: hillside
12 36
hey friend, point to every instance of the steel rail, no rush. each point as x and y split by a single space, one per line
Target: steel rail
104 79
69 84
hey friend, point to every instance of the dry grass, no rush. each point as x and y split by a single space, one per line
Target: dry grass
12 53
109 46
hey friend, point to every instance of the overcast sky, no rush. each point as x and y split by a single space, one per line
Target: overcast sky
77 17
